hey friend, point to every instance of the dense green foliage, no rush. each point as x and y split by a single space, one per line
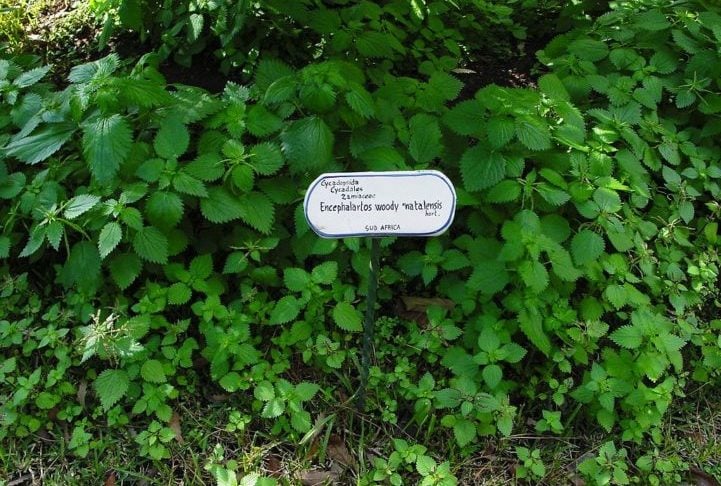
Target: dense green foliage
153 244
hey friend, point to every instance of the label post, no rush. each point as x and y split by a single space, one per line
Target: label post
374 205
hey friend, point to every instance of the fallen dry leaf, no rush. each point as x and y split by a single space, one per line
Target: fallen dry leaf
82 391
421 304
174 425
273 466
318 478
337 451
110 479
701 478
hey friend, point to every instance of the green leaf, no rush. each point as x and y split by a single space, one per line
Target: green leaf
231 381
464 431
489 277
504 191
652 20
12 185
124 269
106 145
608 200
164 209
501 131
589 49
445 84
325 273
307 143
37 237
201 267
425 465
151 244
466 118
153 372
306 391
481 169
531 323
187 184
285 310
261 122
264 391
220 206
266 158
109 238
4 247
54 233
533 133
111 386
80 205
296 279
425 138
629 337
551 86
360 101
82 265
273 408
179 293
347 317
534 274
28 78
587 247
492 375
42 144
257 211
172 139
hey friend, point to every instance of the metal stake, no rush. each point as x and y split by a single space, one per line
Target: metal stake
369 322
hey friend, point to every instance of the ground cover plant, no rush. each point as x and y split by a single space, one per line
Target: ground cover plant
167 315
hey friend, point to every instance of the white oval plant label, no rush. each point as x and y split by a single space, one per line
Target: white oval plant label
400 203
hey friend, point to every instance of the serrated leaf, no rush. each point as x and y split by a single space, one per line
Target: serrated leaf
533 133
82 266
220 206
464 431
534 275
106 145
172 139
589 49
41 144
187 184
80 205
531 323
164 209
231 381
347 317
500 131
153 372
465 118
111 386
306 391
266 158
179 293
54 233
307 143
109 238
285 310
264 391
296 279
360 101
325 273
587 247
273 408
482 169
151 244
124 269
28 78
425 138
629 337
262 122
492 375
551 86
446 85
257 211
4 247
489 277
